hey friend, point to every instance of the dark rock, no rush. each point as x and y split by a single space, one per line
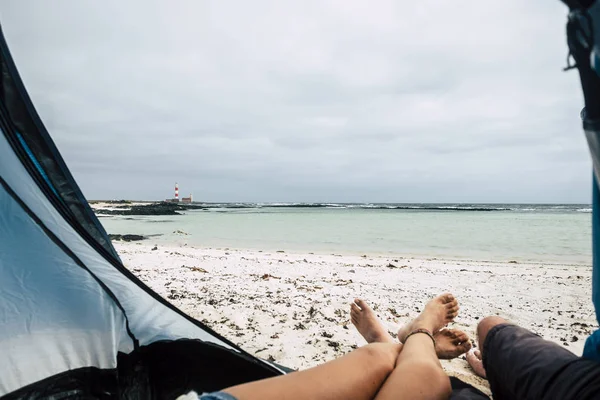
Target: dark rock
198 269
394 312
155 248
327 335
390 265
513 262
574 339
162 208
335 345
299 326
126 238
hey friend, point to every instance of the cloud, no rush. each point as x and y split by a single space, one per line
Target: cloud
311 101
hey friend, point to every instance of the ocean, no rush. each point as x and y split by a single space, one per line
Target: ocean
545 233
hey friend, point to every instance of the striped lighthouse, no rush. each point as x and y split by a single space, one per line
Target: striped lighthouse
176 192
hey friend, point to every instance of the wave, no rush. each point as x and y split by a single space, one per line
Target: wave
529 208
368 206
443 208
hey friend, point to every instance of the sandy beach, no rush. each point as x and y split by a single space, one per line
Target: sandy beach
294 308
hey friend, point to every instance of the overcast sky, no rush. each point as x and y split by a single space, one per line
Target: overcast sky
336 101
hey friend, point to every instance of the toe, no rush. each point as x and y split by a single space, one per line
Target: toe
453 310
472 359
446 298
462 337
354 308
466 346
452 333
362 304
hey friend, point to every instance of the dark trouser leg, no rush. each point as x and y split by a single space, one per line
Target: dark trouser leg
464 391
521 365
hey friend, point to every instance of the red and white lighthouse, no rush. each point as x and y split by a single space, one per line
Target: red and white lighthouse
176 192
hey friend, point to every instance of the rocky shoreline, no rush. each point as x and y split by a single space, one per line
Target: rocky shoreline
159 208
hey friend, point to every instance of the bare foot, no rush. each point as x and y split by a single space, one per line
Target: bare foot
438 313
474 360
367 324
451 343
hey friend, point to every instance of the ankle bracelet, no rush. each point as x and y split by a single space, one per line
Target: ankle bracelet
425 331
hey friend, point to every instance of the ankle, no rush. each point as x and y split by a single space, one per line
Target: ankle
423 324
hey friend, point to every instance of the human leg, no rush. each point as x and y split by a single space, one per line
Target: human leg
520 364
418 373
356 376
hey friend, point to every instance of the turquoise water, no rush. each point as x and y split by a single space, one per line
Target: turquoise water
560 234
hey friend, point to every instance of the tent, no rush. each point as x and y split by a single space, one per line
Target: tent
74 322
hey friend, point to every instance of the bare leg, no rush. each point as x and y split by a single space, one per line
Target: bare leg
363 373
367 323
449 343
418 373
356 376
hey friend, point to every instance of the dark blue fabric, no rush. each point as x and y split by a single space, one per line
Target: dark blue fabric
217 396
521 365
592 345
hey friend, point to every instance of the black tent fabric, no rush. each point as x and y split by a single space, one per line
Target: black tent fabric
73 320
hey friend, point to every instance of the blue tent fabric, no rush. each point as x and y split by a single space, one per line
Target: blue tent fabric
592 345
